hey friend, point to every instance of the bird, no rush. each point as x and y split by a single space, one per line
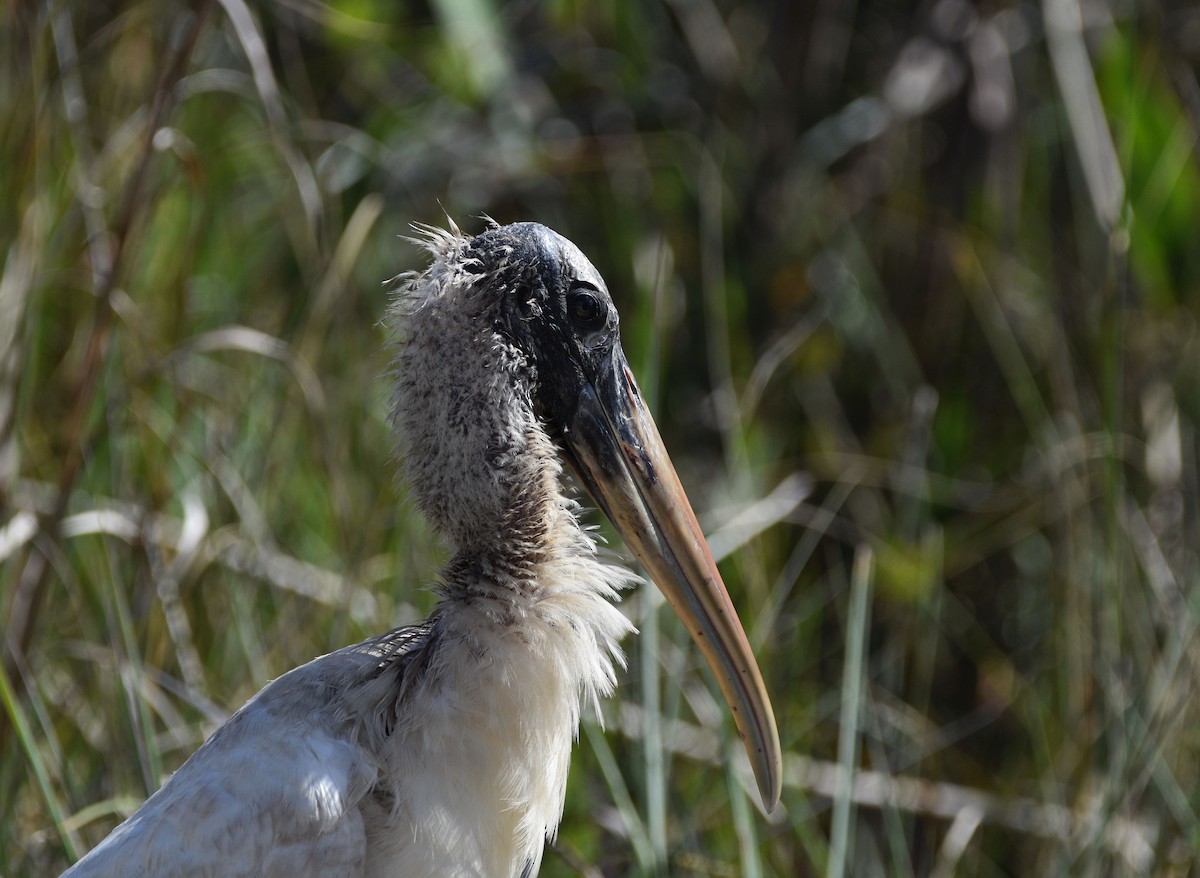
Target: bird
442 748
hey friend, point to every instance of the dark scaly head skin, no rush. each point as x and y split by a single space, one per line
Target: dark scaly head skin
554 306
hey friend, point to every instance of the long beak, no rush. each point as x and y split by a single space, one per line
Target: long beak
614 447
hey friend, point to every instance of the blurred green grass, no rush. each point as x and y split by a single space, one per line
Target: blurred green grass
884 258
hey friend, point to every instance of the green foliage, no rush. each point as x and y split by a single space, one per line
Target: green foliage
856 249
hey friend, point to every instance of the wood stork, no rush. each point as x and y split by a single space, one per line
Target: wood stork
442 749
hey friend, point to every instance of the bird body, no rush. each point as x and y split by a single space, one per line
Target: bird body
428 751
443 748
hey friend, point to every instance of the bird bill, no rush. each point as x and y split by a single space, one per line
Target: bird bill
615 449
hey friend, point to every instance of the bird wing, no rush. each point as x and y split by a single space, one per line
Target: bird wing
276 792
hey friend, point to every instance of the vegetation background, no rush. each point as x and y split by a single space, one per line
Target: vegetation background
914 289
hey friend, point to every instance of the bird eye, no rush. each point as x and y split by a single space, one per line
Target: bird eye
586 310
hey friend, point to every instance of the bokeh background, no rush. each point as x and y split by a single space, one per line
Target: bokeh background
913 288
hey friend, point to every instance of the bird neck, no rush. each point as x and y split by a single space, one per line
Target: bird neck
507 544
481 465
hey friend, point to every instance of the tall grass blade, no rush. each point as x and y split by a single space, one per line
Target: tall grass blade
858 620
